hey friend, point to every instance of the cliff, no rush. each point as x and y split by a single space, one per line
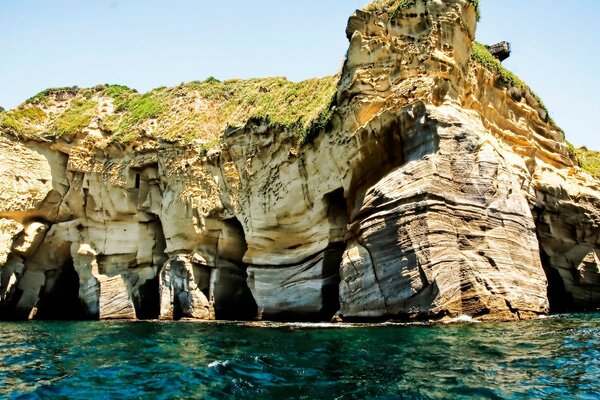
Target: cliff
423 181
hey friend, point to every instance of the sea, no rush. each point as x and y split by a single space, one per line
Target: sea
551 358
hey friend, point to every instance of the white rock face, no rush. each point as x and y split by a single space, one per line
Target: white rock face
445 234
180 295
437 191
306 290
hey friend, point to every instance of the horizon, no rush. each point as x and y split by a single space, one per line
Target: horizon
153 44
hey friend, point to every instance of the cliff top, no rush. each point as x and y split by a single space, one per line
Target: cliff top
589 160
395 7
204 110
195 110
481 55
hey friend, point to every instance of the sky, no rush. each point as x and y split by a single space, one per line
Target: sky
145 44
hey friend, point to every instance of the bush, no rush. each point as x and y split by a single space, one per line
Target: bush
589 160
21 119
482 56
75 118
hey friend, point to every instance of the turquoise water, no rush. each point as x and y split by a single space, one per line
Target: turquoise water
557 357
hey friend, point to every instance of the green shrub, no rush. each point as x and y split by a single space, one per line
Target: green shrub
75 118
208 146
589 160
482 56
136 110
44 96
119 93
197 110
302 107
22 119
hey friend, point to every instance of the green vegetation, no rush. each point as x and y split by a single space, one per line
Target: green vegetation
395 7
137 110
44 96
197 110
204 110
481 55
209 145
77 117
119 93
21 120
589 160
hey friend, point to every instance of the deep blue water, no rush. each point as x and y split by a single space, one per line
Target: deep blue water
557 357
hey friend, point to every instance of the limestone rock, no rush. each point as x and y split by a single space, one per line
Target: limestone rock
305 291
427 187
115 302
230 293
567 216
360 293
9 230
449 234
30 240
180 296
32 179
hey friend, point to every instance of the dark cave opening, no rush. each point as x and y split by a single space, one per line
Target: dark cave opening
332 260
59 299
146 298
8 305
233 299
559 298
147 303
338 216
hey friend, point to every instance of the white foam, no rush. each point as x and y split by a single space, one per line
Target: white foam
218 363
462 319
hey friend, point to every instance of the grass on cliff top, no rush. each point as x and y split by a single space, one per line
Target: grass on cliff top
77 117
55 111
481 55
204 110
589 160
395 7
22 120
197 110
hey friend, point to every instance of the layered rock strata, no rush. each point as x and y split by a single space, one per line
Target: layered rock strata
436 189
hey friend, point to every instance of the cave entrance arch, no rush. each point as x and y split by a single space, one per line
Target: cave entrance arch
59 299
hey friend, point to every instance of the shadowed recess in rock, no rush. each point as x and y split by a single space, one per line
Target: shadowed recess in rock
60 296
232 297
147 304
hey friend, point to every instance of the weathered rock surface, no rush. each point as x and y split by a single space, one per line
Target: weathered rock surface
435 190
180 293
306 290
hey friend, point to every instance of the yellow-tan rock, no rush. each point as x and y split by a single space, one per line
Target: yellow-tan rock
435 189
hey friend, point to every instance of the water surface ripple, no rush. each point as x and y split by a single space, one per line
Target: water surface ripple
557 357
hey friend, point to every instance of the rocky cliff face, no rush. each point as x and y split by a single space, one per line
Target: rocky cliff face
423 184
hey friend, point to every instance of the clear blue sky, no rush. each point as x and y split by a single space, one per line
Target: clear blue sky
149 43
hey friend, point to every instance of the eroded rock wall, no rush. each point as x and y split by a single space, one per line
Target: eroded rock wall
436 190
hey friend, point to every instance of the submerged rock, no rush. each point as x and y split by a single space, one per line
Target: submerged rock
420 183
